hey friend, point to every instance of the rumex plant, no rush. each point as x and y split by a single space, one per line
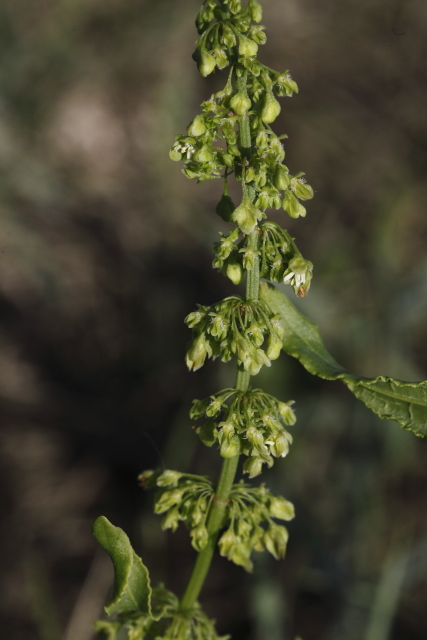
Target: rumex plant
232 138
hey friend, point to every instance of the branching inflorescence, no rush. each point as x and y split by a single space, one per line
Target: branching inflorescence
232 136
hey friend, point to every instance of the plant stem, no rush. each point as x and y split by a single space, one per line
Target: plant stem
228 471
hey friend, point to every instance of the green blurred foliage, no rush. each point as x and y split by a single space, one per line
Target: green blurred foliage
105 247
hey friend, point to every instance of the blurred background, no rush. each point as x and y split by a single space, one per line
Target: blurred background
105 247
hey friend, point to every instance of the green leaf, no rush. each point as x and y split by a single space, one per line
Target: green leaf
405 402
132 590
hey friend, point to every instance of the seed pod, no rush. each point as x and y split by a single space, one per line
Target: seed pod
207 63
227 543
234 270
274 346
286 412
225 207
171 520
208 433
168 478
279 446
167 500
253 466
301 189
247 47
196 354
175 155
281 178
292 205
255 10
203 154
231 447
199 537
275 540
240 103
241 556
270 108
246 216
197 127
281 508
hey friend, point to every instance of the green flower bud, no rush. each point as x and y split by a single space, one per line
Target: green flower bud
275 540
199 537
196 355
203 154
286 84
270 108
207 63
246 215
231 447
221 58
281 508
148 478
169 478
214 406
175 155
171 520
225 207
218 329
257 539
234 270
255 437
281 178
227 543
271 422
195 317
255 361
253 466
167 500
228 160
208 433
197 127
262 140
274 346
244 529
249 256
247 47
286 412
292 205
241 556
199 408
235 6
240 103
257 334
279 445
301 189
255 10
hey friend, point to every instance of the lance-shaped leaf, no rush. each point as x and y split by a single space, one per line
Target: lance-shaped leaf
405 402
132 589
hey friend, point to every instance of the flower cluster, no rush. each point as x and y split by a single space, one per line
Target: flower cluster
248 422
250 524
191 625
213 146
280 260
183 497
234 326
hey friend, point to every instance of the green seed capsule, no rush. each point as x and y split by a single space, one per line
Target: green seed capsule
197 127
255 10
225 208
247 47
175 155
207 63
235 271
281 178
240 103
203 155
270 108
246 216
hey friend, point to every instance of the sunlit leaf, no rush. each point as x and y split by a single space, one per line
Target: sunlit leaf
405 402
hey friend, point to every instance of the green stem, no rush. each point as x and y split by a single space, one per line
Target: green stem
229 467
